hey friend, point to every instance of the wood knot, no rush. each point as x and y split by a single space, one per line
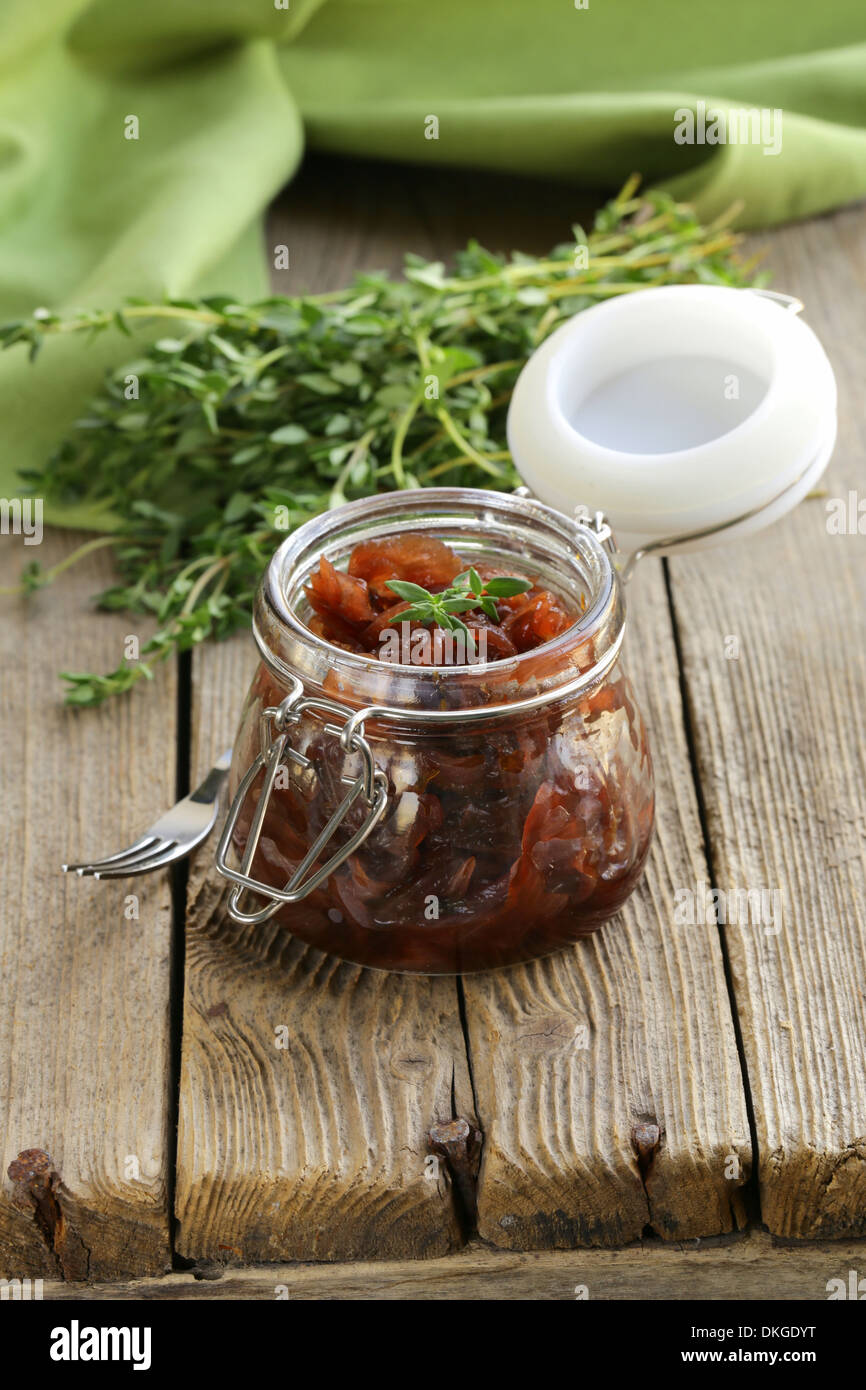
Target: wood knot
414 1067
544 1034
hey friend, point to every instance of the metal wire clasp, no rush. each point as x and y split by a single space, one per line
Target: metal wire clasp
598 524
371 784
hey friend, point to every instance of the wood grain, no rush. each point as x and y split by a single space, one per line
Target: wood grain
745 1270
317 1150
84 1027
781 746
559 1166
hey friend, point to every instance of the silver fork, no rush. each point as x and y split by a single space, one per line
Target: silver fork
172 837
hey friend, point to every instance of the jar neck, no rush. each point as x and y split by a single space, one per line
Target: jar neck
481 526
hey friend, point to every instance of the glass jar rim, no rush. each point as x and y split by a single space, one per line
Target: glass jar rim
292 649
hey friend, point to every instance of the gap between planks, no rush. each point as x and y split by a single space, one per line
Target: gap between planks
753 1190
179 877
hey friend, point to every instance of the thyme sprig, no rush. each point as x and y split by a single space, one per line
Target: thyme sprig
212 443
464 594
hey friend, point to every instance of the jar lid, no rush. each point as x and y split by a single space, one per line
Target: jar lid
686 413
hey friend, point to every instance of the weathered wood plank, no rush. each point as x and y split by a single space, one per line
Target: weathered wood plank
781 745
84 1027
317 1149
747 1270
559 1167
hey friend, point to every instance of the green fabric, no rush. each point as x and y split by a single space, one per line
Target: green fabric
227 91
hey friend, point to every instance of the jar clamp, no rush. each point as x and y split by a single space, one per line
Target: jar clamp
371 786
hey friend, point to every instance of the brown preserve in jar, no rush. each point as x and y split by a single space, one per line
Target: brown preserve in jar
494 811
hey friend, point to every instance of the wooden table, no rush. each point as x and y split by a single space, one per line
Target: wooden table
143 1053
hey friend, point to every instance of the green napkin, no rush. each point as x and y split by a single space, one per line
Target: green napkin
224 95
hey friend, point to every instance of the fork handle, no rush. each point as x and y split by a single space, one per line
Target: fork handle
210 786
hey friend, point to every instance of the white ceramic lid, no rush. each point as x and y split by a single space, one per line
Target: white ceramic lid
675 410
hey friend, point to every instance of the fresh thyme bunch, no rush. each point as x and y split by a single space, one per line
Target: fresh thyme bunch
249 419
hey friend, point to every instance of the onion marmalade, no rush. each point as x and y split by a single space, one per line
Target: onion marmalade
358 609
519 790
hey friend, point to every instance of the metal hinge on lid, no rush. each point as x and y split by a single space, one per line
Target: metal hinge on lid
598 524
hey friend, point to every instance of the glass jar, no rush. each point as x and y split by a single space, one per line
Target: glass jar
449 819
